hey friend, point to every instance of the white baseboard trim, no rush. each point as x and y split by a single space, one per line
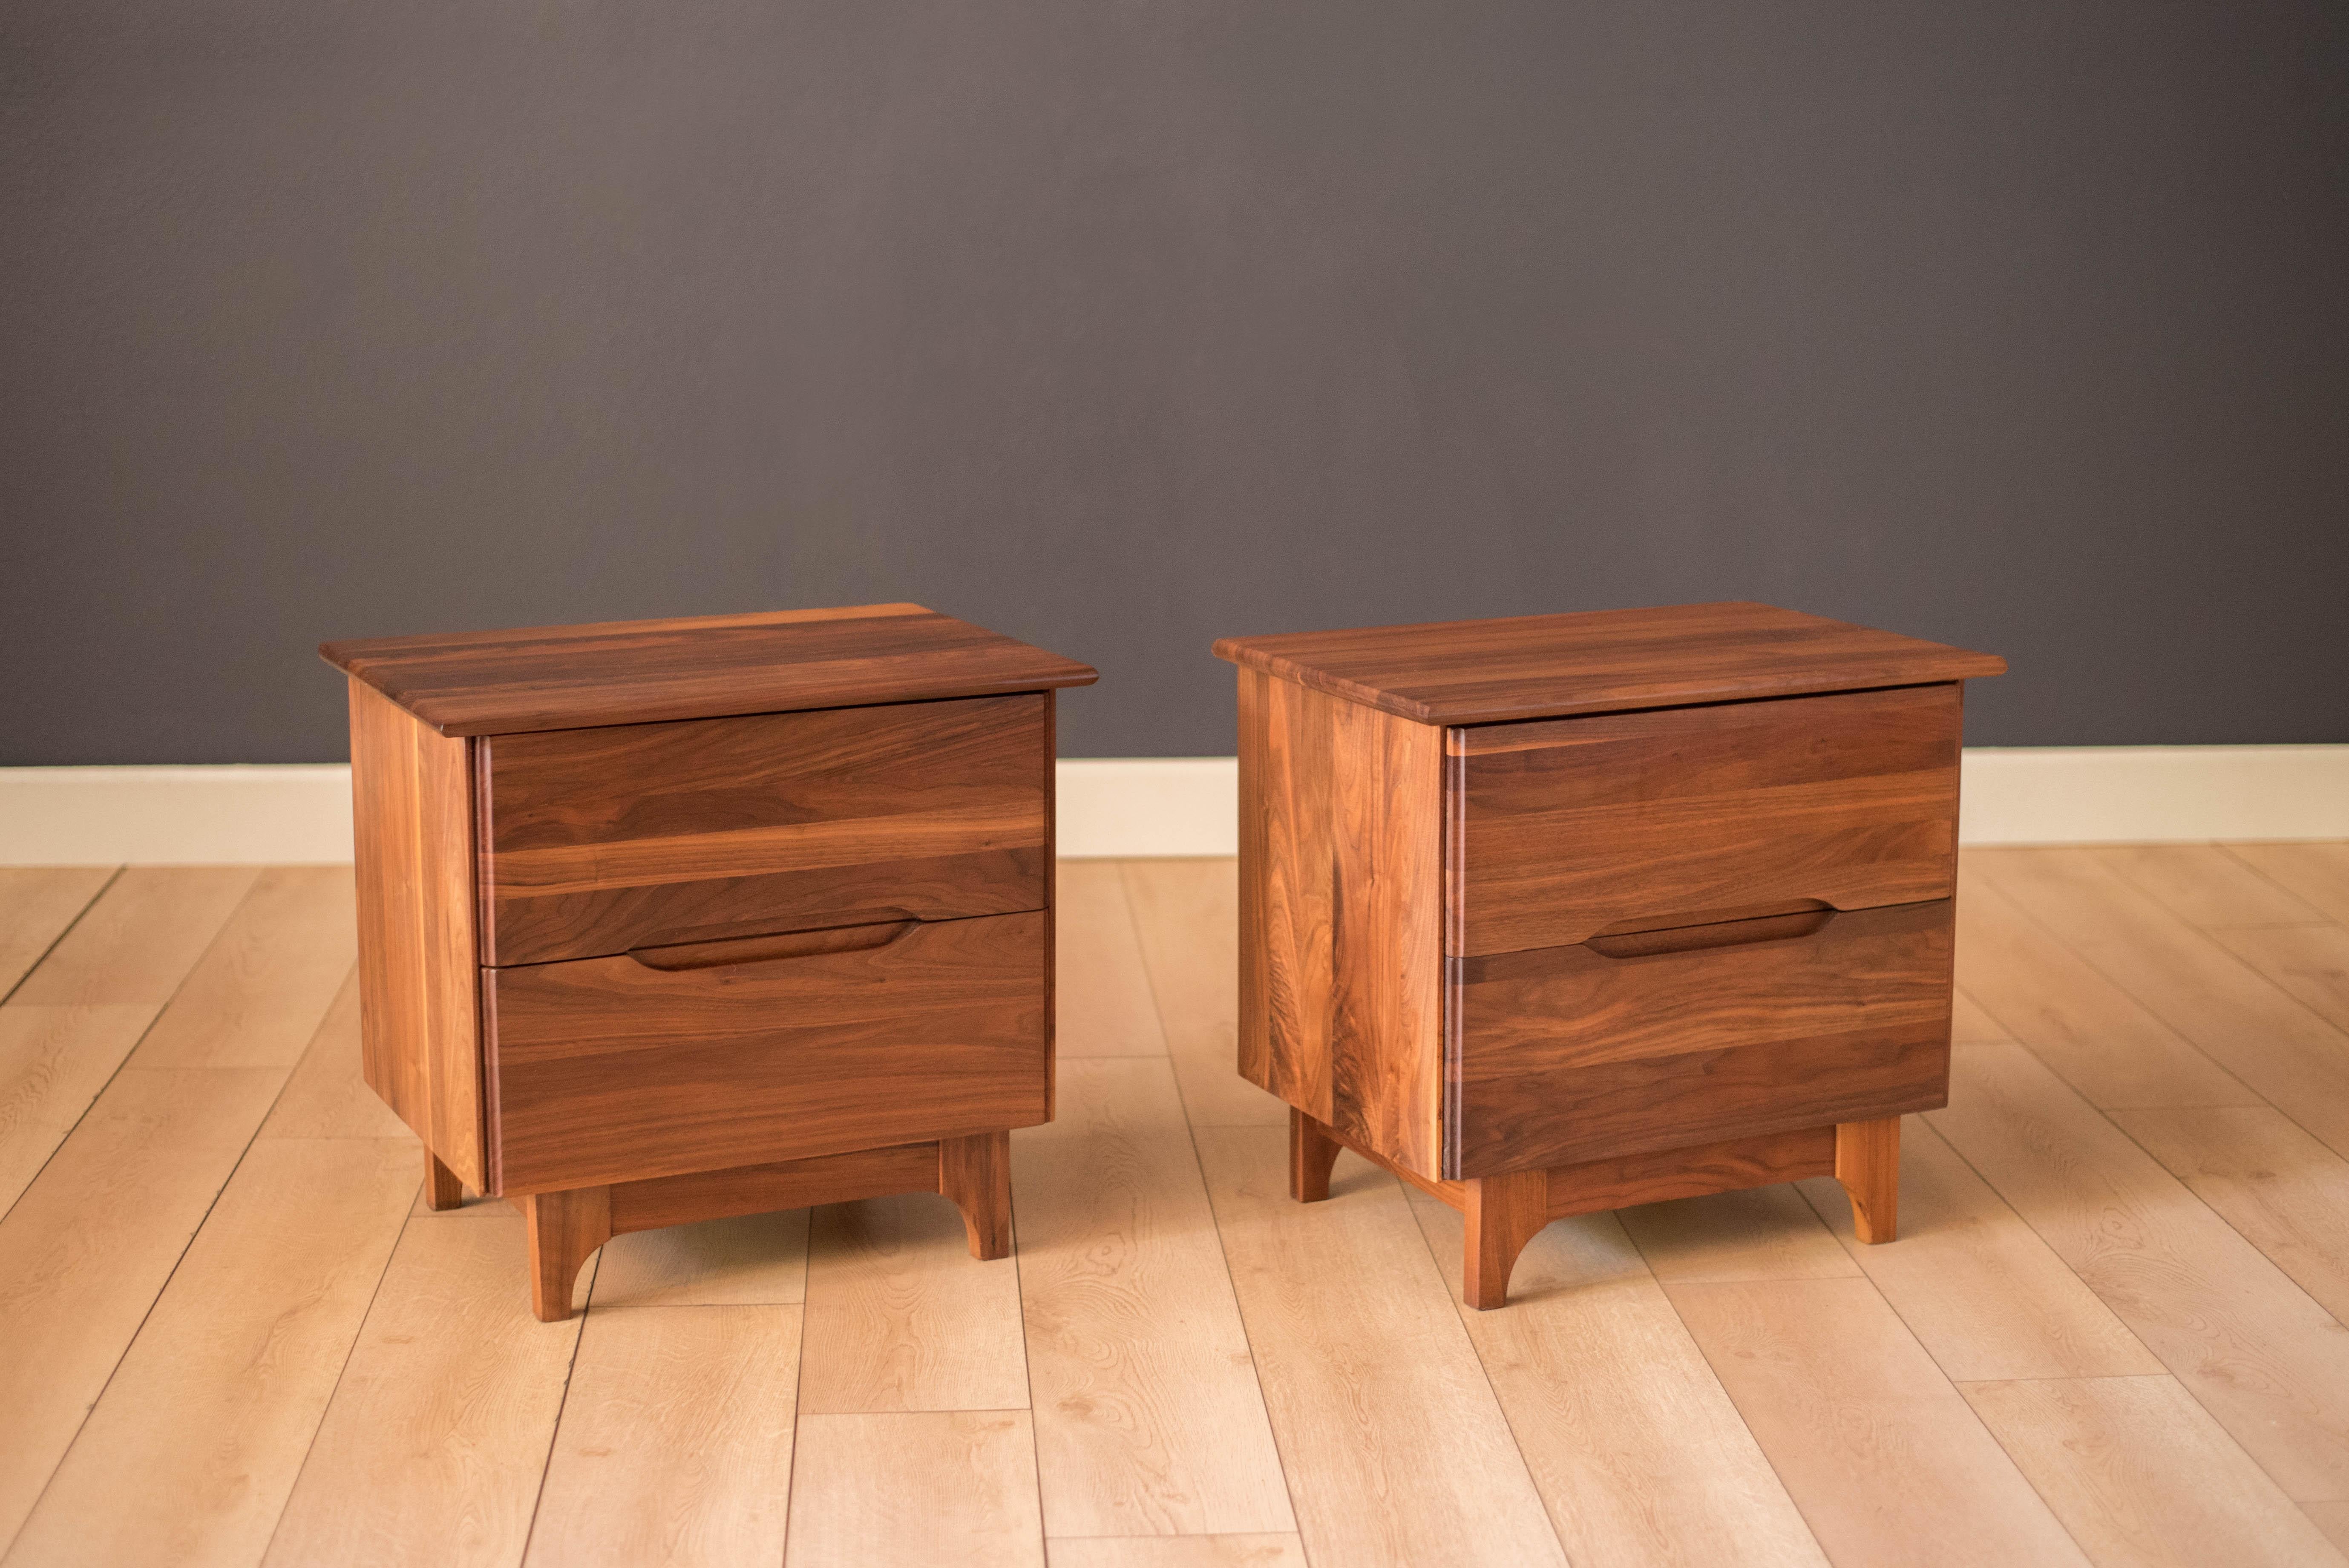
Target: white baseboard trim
300 814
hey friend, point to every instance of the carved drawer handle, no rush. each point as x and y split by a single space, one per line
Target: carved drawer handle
737 950
1718 933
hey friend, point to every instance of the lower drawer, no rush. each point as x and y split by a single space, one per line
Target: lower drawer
669 1060
1561 1055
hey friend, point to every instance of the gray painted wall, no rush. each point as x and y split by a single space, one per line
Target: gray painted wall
1121 325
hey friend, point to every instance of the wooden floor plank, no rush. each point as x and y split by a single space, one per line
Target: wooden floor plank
436 1441
1761 1233
1977 1286
327 1097
138 940
36 904
1636 1451
2104 1042
54 1061
2295 1059
2248 1343
751 1259
2202 883
1969 1025
1396 1448
1148 1417
2139 1473
915 1489
900 1316
2282 1190
2309 962
1884 1457
1187 915
192 1451
255 997
2318 874
2333 1519
1100 990
1178 1552
675 1445
86 1250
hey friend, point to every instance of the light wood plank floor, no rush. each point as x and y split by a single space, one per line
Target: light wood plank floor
2112 1333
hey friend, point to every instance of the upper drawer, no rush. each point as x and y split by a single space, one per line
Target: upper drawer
1568 827
598 840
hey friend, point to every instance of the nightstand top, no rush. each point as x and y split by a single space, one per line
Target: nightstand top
705 667
1604 661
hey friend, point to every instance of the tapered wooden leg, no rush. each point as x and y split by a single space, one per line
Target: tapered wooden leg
975 1173
1311 1152
1868 1163
442 1188
564 1228
1501 1214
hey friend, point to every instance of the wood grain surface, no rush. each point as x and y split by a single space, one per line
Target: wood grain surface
916 1487
675 1446
608 1071
1148 1419
420 1007
256 996
190 1454
599 840
1340 902
1562 1055
400 1447
1639 1455
640 672
1573 827
37 905
1886 1460
2139 1473
1533 666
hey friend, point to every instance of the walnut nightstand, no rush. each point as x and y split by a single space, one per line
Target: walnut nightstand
1566 912
667 920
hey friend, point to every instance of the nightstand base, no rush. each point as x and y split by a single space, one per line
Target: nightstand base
1505 1210
566 1225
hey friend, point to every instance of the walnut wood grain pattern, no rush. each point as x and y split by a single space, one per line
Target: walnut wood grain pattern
1341 899
1533 667
564 1228
640 672
608 1071
1867 1168
1723 1166
781 1185
974 1175
1563 1055
1501 1215
412 813
599 840
1311 1152
1572 827
442 1191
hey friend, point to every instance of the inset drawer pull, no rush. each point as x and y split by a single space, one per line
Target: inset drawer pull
1720 934
786 945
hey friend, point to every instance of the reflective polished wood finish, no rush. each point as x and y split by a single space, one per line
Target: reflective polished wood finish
1556 911
661 918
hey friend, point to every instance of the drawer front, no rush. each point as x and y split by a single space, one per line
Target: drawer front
610 1069
1568 827
1568 1054
599 840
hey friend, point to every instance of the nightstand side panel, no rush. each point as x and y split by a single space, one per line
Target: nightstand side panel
413 843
